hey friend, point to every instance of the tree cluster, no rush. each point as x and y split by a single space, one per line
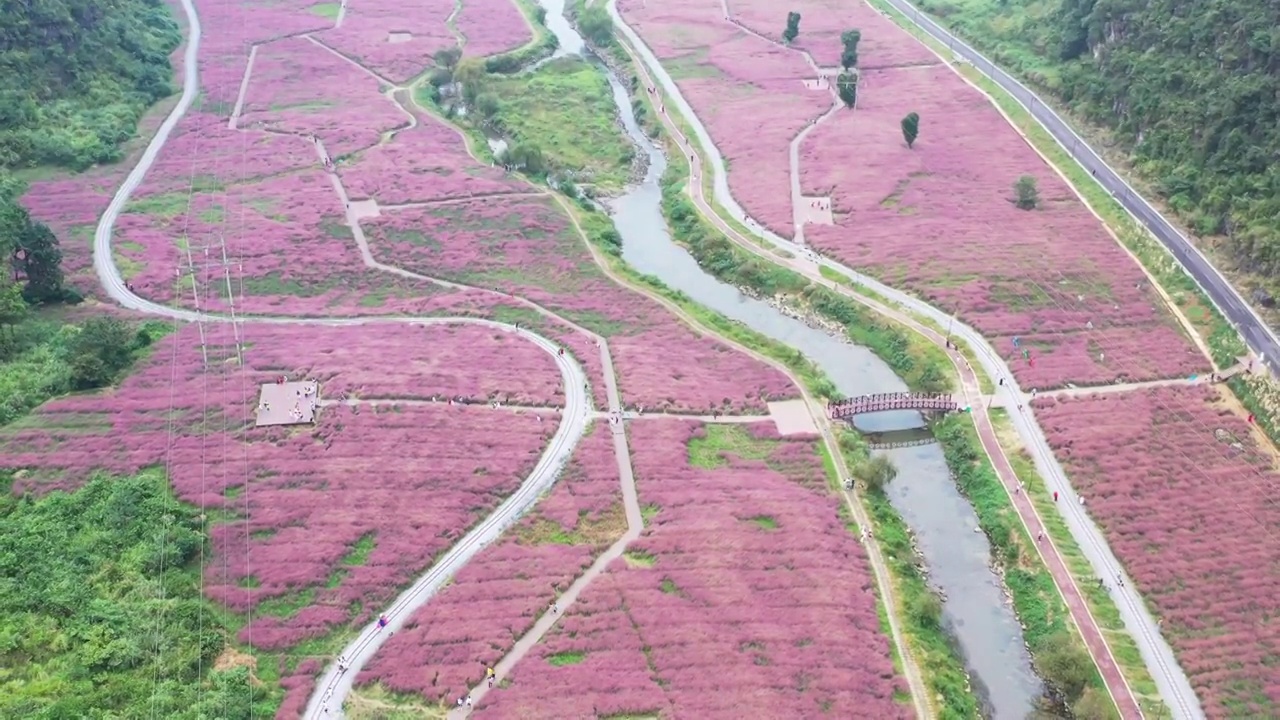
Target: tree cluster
596 25
78 75
29 252
100 608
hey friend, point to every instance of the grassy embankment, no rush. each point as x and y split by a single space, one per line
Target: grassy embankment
565 108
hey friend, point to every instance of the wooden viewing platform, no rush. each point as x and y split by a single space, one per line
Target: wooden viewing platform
288 403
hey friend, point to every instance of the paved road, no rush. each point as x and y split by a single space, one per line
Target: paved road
1254 330
1174 687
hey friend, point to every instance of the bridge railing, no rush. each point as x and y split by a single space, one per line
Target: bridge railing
880 402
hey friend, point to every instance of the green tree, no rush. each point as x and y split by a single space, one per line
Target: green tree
103 347
793 27
847 88
1065 665
448 58
487 105
13 309
911 128
596 25
41 263
1094 705
1027 194
526 157
849 55
876 472
471 75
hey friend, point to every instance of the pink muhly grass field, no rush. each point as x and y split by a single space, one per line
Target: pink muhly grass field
300 87
747 91
70 207
821 23
230 29
1192 517
491 27
293 502
445 647
424 163
729 613
366 35
128 428
526 246
939 219
286 241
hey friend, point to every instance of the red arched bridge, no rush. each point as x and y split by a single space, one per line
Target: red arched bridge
882 402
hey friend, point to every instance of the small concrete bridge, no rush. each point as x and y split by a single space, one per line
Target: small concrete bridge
884 402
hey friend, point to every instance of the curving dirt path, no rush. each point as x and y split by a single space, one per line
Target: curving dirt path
1156 652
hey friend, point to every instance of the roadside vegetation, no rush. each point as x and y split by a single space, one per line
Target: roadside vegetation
44 356
1188 94
1057 650
102 612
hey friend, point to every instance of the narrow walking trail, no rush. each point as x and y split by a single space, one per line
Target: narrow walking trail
1094 638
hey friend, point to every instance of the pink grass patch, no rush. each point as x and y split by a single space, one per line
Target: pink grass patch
286 243
70 207
130 426
444 648
491 27
940 220
293 502
299 87
934 219
822 22
747 91
525 246
731 613
397 38
1186 499
425 163
230 29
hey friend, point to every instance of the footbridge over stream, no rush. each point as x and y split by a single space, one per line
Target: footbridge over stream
884 402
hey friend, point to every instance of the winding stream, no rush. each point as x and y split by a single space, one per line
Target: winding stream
975 608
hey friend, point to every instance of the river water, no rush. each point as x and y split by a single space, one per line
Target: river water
975 608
